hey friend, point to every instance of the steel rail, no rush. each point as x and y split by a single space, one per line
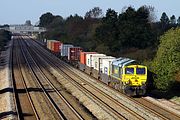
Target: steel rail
51 84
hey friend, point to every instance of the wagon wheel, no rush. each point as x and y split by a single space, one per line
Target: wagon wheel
121 86
111 84
99 78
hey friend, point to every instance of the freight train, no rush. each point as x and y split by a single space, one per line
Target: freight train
123 74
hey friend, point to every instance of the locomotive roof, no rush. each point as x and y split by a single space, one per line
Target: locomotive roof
121 62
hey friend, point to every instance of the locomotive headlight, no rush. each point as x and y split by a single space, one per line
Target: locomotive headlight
143 83
128 82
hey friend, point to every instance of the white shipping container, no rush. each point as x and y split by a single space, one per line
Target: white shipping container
97 61
64 49
106 65
89 59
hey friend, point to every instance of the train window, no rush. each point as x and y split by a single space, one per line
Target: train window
140 71
129 70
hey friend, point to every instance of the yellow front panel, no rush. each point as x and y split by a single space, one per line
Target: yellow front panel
135 79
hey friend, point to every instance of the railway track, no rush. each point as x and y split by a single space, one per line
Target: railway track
37 100
24 105
30 98
38 77
59 101
163 114
157 109
62 107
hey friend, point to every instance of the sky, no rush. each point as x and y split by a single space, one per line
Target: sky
18 11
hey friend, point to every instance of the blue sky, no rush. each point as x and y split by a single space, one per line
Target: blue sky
18 11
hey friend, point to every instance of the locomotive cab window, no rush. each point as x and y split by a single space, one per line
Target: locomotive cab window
140 71
129 70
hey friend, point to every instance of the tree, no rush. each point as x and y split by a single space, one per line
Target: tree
152 16
143 14
164 21
46 19
5 36
57 21
107 32
178 21
55 29
96 12
167 61
130 29
28 23
135 29
4 26
126 27
74 29
73 25
111 17
173 19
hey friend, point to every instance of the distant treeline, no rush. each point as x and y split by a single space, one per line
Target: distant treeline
113 34
132 33
5 36
4 26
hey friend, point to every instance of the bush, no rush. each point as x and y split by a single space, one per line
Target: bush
5 36
167 61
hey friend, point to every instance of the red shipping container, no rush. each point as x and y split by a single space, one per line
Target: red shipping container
55 45
83 56
74 53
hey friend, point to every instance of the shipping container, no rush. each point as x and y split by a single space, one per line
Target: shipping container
97 62
55 46
97 65
89 60
83 56
107 65
74 53
106 70
64 49
60 46
49 44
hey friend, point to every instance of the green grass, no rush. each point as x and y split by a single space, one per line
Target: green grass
176 99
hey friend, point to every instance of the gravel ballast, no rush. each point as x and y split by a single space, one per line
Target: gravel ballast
7 109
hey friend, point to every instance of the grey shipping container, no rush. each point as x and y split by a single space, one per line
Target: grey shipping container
64 49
